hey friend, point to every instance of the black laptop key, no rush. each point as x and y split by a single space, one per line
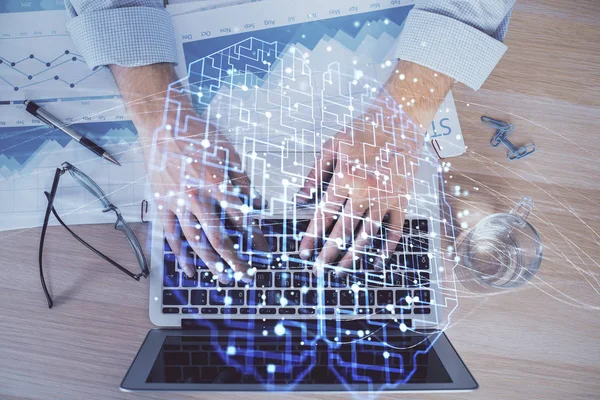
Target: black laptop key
273 297
306 311
375 279
237 297
418 244
393 279
254 297
170 310
283 279
173 374
337 281
176 358
295 263
186 281
206 279
216 298
422 261
310 298
198 297
420 226
290 244
424 297
200 358
287 311
385 297
422 310
401 296
175 297
301 279
263 279
331 297
228 310
406 227
347 298
417 279
292 297
272 240
209 310
171 276
190 310
263 310
366 297
247 310
191 375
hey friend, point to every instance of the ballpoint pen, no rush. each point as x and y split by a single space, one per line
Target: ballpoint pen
54 122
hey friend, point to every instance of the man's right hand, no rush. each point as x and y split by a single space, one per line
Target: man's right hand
200 187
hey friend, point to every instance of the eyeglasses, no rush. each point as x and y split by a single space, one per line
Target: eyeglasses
120 225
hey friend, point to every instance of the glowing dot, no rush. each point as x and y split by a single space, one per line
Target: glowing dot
339 241
415 80
386 355
218 116
279 330
356 24
268 114
219 266
227 300
189 160
402 77
328 48
244 209
244 88
388 63
360 333
223 204
265 333
340 175
160 207
408 299
403 327
456 259
464 225
355 288
271 368
168 127
466 212
206 143
230 351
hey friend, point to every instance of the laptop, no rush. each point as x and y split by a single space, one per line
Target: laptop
370 330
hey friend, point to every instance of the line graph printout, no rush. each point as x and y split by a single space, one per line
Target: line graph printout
38 61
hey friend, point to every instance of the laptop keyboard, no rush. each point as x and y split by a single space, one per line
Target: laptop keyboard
284 284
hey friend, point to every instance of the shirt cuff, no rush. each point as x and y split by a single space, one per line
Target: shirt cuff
128 36
450 47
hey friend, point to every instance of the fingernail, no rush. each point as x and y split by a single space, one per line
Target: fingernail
306 254
224 278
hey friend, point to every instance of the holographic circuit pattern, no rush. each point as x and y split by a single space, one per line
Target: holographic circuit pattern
267 111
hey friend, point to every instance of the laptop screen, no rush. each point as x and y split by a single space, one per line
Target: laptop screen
369 363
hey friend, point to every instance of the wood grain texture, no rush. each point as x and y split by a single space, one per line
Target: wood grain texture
539 342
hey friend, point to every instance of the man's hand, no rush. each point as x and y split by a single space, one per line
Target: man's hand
366 169
196 174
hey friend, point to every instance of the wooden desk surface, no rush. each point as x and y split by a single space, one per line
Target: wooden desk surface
539 342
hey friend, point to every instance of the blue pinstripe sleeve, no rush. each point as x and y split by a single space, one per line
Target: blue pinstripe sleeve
459 38
129 33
